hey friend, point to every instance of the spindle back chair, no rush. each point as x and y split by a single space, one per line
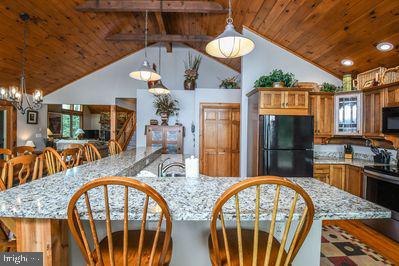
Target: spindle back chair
7 154
23 150
71 157
240 246
22 166
53 161
127 247
91 152
114 147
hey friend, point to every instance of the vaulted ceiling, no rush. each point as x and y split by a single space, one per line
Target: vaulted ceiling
65 44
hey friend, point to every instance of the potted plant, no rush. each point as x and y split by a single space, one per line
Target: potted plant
165 107
191 72
229 83
276 78
328 87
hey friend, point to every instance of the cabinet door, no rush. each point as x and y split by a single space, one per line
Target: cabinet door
372 112
313 110
322 172
354 180
348 120
337 175
325 115
296 99
272 99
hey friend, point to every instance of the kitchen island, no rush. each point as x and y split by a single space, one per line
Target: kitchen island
41 206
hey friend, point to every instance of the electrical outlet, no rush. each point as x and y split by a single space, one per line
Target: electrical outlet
39 135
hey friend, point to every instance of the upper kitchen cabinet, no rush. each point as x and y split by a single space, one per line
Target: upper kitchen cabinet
322 108
373 102
282 101
348 113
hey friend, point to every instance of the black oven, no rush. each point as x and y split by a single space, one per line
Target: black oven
390 120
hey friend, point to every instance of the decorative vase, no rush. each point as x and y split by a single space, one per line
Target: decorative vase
279 84
164 118
189 84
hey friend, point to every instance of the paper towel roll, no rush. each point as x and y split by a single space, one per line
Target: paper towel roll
192 167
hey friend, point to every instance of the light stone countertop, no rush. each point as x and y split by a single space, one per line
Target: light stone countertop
354 162
188 199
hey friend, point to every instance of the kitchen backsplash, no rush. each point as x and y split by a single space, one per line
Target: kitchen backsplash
337 151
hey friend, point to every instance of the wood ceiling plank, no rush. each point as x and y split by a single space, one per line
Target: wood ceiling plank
123 37
263 13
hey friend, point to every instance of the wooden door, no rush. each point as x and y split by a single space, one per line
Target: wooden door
372 112
9 125
325 115
220 139
354 180
272 99
296 99
337 175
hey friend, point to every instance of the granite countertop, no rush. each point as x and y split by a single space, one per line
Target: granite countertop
353 162
188 199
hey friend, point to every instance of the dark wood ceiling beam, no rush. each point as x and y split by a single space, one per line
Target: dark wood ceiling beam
162 29
152 6
159 37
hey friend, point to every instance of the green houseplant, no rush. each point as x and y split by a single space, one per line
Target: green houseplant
165 106
328 87
276 76
191 72
229 83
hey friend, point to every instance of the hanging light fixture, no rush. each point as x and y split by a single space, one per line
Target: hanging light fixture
145 72
18 95
157 87
230 44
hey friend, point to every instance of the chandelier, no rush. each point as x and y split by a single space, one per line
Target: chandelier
18 96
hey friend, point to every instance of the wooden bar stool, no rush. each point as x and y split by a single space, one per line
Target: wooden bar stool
71 157
127 247
114 147
237 246
91 152
54 162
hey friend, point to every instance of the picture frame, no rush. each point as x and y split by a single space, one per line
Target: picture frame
32 117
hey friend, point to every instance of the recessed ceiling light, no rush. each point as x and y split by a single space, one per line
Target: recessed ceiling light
385 46
347 62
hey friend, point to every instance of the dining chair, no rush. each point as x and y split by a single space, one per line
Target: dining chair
91 152
238 246
127 247
20 167
53 161
6 153
114 147
23 150
71 157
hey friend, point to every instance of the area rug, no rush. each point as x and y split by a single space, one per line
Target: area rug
339 248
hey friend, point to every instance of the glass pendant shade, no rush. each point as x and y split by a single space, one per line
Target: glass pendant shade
157 88
145 73
230 44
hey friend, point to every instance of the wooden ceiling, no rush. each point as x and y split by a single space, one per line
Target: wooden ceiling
64 44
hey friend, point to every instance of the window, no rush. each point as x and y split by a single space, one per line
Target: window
71 119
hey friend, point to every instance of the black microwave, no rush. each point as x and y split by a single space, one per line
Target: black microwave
390 120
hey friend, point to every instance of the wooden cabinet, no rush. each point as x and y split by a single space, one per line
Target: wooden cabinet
322 172
296 99
354 180
337 175
322 108
272 99
169 137
373 102
348 114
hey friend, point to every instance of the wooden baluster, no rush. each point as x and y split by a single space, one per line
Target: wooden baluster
108 225
272 225
239 232
83 236
143 223
226 242
93 229
256 230
286 230
155 243
125 226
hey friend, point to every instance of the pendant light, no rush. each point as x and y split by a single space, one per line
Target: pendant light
230 44
157 87
145 72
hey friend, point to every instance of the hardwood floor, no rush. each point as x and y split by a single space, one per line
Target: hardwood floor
380 243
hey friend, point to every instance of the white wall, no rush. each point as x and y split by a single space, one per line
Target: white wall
36 133
266 57
113 81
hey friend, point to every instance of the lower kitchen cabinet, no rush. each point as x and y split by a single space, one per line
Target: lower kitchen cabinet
345 177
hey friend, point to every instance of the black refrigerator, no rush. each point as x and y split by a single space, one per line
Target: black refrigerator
286 145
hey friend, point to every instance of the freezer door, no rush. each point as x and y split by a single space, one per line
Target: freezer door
286 132
288 163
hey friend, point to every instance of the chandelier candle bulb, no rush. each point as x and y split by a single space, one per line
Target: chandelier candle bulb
192 167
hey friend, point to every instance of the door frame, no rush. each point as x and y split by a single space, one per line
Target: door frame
201 131
11 124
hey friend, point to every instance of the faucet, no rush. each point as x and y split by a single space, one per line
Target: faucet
160 166
162 169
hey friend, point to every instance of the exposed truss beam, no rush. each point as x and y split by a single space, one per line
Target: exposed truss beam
162 29
152 6
159 37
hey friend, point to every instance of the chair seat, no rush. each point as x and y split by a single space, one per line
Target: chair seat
247 246
134 236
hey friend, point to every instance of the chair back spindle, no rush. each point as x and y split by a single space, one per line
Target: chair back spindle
114 147
234 246
53 161
91 152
